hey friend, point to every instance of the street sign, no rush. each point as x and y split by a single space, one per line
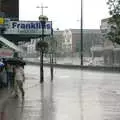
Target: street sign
28 28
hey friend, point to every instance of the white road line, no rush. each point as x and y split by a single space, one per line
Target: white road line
64 76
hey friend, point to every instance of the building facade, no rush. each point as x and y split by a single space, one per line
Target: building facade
57 47
10 8
67 42
72 43
59 38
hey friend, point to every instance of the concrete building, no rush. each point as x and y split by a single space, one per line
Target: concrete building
67 42
72 42
30 47
59 38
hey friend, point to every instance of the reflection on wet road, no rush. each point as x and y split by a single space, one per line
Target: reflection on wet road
73 95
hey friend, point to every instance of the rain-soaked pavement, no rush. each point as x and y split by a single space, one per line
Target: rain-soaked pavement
73 95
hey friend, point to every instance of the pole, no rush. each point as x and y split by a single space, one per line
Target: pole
51 57
43 20
81 104
41 59
81 48
41 67
51 66
42 9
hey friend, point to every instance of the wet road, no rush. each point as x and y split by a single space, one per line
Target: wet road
73 95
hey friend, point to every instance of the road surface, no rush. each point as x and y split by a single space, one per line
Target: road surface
73 95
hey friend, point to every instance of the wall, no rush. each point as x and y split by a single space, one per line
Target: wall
10 7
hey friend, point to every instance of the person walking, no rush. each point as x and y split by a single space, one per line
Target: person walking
10 76
4 76
19 80
1 72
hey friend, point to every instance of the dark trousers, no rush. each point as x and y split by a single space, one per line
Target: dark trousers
10 79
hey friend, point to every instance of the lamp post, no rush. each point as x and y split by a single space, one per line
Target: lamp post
42 46
81 48
81 35
51 57
42 7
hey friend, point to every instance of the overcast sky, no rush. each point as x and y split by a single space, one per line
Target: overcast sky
65 13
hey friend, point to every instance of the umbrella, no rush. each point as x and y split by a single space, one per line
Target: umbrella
1 64
15 61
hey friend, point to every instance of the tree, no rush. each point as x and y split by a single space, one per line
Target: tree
114 21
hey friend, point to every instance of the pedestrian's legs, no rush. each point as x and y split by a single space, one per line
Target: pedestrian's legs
16 88
8 80
20 85
12 80
0 81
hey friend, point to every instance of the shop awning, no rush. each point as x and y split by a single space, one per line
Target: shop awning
10 44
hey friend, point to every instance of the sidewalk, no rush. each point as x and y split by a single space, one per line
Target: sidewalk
4 96
70 66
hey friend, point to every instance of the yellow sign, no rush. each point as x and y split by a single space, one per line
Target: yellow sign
1 20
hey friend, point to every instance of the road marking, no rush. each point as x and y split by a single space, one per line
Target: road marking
64 76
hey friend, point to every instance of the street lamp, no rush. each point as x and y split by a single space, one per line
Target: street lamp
81 33
51 55
42 7
42 46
